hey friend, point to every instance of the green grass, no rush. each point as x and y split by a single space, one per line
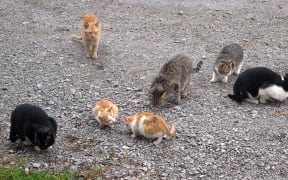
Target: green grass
7 173
12 173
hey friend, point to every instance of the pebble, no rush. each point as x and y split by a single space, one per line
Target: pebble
36 165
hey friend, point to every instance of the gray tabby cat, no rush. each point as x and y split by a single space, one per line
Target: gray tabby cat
229 61
174 77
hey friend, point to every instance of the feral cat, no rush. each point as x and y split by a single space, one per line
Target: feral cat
259 85
174 77
229 61
148 125
32 125
106 113
91 33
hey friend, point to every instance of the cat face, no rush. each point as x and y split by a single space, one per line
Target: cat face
128 120
159 91
107 117
43 138
225 67
286 82
91 30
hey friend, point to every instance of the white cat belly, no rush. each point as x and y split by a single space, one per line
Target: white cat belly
275 92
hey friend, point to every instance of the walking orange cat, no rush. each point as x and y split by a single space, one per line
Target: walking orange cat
91 33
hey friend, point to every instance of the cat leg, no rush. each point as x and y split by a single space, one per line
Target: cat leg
159 139
177 93
13 135
88 51
254 101
263 99
101 126
225 79
238 69
214 78
95 50
185 91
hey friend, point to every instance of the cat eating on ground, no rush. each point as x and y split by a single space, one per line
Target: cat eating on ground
260 84
105 113
91 33
148 125
229 61
174 77
32 125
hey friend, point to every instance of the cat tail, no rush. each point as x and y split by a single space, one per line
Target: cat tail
168 132
198 67
76 37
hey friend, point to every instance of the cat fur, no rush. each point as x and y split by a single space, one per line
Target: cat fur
149 125
260 84
105 113
173 78
228 62
32 125
91 33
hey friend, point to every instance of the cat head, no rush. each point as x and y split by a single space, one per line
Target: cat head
107 117
128 120
44 137
159 90
225 67
91 27
286 82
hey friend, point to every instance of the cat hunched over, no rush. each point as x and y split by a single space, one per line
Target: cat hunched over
32 125
260 84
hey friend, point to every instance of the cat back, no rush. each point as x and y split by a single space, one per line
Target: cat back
32 125
173 78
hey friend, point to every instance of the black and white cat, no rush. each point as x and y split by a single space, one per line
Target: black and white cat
260 84
32 125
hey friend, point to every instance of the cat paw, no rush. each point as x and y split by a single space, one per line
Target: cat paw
156 143
225 80
94 57
213 80
88 56
263 101
133 135
254 101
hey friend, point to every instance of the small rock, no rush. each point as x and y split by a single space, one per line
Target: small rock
36 165
125 147
180 12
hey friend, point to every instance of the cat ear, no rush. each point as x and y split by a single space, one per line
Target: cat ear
110 108
97 24
86 25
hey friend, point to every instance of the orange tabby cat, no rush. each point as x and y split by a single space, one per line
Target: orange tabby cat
106 113
148 125
91 32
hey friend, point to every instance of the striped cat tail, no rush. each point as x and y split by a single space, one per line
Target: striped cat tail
198 67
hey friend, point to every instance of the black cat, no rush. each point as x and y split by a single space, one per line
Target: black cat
33 126
260 84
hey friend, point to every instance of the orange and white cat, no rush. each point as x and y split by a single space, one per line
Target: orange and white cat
106 113
149 125
91 33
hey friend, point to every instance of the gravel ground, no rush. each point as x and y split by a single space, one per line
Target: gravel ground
215 139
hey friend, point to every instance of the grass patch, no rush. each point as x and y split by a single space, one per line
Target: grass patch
7 173
13 173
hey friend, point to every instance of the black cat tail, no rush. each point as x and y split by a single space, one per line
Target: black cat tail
198 67
235 98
